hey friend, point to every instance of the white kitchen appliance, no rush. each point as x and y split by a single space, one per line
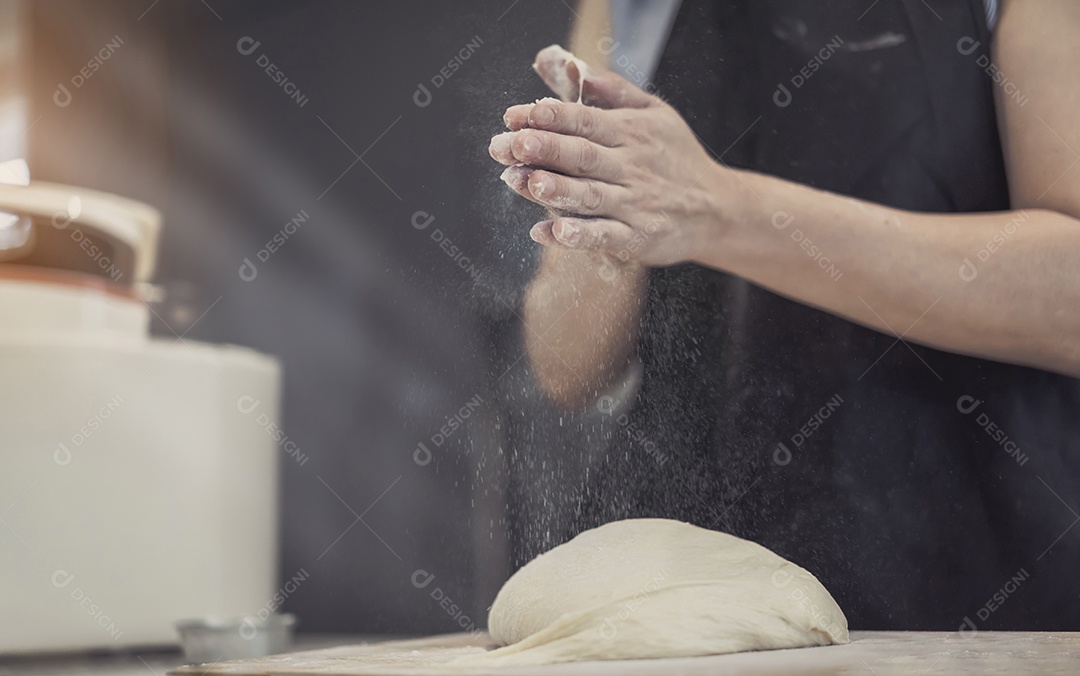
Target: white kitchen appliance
138 476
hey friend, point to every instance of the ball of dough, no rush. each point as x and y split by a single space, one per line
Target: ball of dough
648 588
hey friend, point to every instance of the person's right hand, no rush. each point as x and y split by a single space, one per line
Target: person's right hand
623 169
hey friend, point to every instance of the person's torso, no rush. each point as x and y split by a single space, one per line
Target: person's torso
841 448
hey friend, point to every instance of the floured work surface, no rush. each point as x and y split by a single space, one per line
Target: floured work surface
880 653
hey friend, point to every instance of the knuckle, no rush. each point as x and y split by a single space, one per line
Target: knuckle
588 157
550 151
593 198
586 122
636 129
651 201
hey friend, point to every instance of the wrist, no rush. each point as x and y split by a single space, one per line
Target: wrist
728 208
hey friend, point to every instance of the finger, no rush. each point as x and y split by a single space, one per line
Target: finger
575 195
564 154
563 193
517 117
517 177
541 233
499 148
595 234
574 119
605 89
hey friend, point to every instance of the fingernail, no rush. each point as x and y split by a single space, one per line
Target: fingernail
500 145
517 176
532 145
540 186
570 233
510 176
534 232
542 115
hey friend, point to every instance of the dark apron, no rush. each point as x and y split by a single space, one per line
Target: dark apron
913 512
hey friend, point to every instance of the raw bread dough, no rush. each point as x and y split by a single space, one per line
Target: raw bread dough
562 71
647 588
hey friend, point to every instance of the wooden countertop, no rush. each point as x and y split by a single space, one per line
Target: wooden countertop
869 653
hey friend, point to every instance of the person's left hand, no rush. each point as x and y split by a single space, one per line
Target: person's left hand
638 184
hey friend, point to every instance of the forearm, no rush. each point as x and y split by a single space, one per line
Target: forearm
636 170
582 317
899 272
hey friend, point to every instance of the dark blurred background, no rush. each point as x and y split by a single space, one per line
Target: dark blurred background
385 330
